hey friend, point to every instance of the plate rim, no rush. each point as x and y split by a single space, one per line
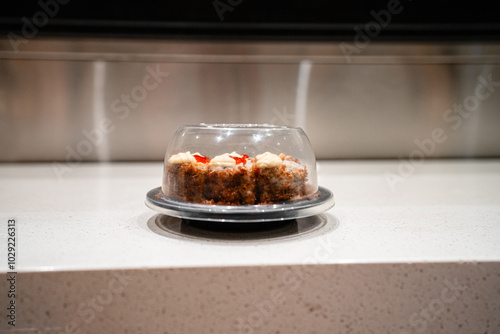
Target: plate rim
241 213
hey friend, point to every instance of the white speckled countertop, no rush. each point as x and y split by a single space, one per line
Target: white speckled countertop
408 251
95 218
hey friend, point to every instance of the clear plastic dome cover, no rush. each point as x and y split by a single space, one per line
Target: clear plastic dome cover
239 164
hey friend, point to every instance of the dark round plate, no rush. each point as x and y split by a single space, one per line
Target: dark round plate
243 213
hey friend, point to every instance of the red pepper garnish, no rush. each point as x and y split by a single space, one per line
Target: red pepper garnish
242 160
201 158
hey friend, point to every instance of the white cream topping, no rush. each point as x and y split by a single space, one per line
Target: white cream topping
182 158
223 160
266 160
234 154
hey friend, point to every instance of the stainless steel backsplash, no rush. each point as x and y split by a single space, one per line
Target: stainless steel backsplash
115 99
